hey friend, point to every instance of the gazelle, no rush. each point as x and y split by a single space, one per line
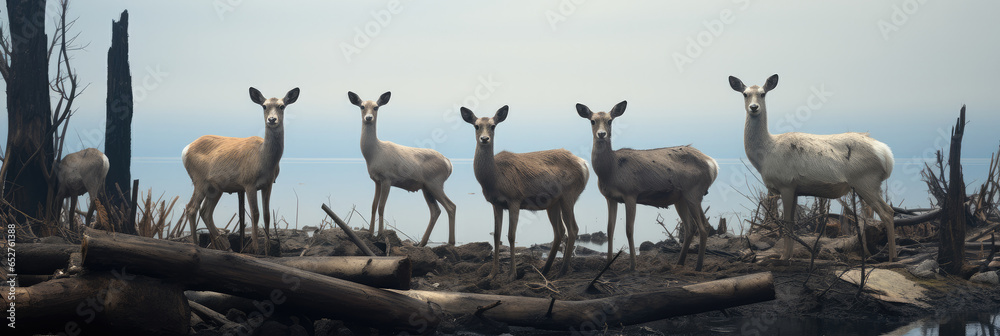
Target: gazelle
550 180
220 164
678 176
408 168
801 164
79 173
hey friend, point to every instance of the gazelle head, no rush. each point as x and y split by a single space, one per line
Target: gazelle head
369 109
485 126
753 96
601 121
274 108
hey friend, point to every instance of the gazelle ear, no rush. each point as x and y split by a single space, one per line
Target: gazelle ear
619 109
583 111
353 97
771 83
291 96
501 115
256 97
468 116
384 99
737 84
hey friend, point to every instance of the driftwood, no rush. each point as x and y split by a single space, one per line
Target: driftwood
592 315
102 301
274 284
347 229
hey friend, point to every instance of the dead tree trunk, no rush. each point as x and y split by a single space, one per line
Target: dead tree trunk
233 273
593 315
30 151
118 128
951 253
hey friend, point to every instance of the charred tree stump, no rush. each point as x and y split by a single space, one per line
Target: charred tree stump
951 252
233 273
118 127
578 316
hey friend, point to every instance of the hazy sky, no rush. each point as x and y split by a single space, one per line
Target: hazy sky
897 69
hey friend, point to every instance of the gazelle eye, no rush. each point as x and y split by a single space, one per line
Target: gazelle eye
477 127
282 107
762 94
744 95
493 127
593 122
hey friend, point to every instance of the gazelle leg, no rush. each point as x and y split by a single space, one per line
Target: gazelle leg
788 203
515 211
555 217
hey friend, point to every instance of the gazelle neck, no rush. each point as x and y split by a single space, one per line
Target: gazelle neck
484 166
757 139
369 139
602 157
274 146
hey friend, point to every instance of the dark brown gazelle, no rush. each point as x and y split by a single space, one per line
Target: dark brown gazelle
801 164
407 168
550 180
219 164
678 176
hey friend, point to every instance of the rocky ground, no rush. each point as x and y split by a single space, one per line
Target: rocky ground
809 295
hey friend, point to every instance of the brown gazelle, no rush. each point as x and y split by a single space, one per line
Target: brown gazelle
79 173
408 168
678 176
550 180
801 164
220 164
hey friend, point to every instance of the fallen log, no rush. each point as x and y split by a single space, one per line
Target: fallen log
43 259
274 284
577 316
381 272
102 303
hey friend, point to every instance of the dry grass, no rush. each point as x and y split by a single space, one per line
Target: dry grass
153 216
